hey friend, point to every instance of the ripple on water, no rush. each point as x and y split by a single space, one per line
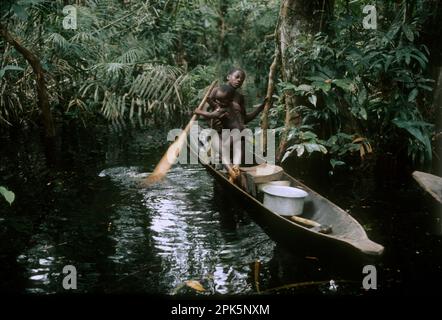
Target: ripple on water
181 222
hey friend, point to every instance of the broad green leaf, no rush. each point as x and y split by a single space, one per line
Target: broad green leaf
304 88
308 135
288 153
323 149
388 62
292 133
300 150
313 99
324 86
418 59
344 84
407 58
8 195
425 87
392 32
413 94
317 79
311 147
415 128
421 55
288 86
408 32
335 163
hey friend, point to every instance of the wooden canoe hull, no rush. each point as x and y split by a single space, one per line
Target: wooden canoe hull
430 183
350 236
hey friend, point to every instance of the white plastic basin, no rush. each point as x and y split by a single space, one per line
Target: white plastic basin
274 183
286 201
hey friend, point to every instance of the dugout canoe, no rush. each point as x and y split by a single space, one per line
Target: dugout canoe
430 183
347 234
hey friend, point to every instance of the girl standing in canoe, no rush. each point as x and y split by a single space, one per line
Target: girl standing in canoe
229 112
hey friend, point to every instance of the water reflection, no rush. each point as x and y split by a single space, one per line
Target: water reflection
125 239
185 227
188 228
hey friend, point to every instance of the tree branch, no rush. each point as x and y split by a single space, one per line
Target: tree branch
42 93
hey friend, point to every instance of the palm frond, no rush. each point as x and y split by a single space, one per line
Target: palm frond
58 41
130 56
84 37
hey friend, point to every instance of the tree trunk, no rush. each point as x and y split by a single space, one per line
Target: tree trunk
222 50
431 35
297 18
437 109
42 93
268 103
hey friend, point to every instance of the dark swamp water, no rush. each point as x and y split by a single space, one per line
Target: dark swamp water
86 210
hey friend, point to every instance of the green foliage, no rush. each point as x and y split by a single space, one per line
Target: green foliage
8 195
140 59
306 140
366 83
120 62
251 27
356 90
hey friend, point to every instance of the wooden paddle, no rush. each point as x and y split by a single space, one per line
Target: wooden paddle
172 153
310 223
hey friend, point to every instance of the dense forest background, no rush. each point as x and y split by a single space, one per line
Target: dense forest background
343 94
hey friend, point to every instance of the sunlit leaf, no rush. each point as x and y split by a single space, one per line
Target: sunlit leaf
8 195
323 149
361 151
311 147
335 163
300 150
286 155
313 99
363 113
194 284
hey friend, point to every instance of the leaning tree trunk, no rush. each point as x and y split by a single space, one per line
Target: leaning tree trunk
42 93
431 35
268 102
297 18
437 107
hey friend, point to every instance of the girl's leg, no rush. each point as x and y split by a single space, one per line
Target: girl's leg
237 150
225 152
215 152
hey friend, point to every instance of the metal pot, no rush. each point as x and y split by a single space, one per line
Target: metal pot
286 201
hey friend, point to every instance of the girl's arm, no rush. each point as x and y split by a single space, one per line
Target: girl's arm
252 115
211 100
218 113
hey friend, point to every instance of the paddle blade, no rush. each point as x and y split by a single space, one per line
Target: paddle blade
152 179
167 161
171 156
